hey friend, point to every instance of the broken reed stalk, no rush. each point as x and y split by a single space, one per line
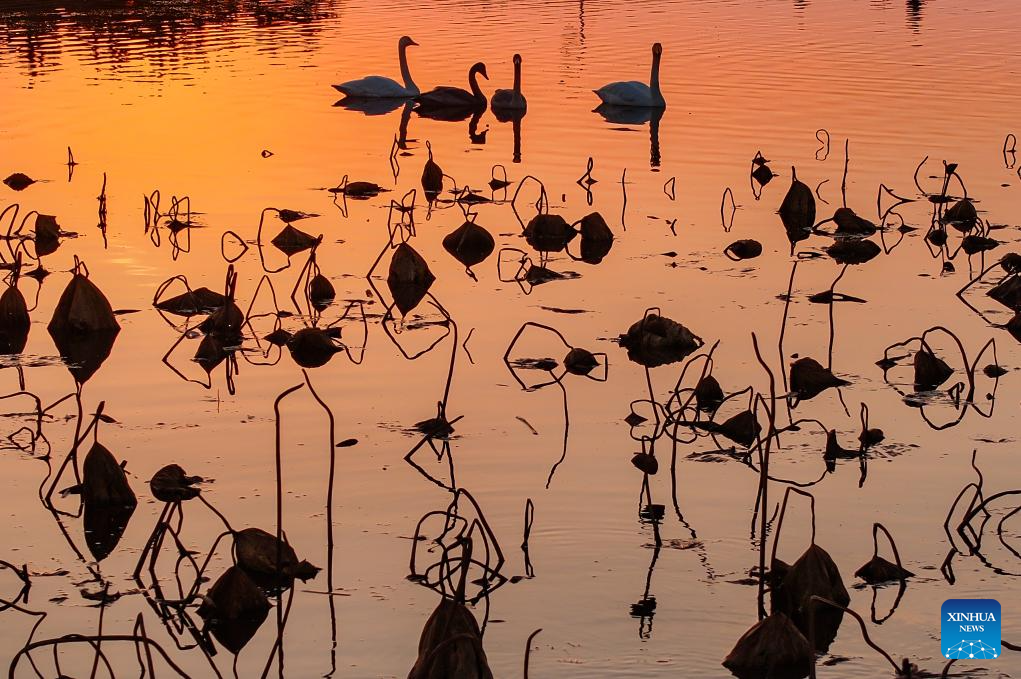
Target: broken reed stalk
528 650
733 210
783 332
72 456
847 161
876 527
824 149
92 640
541 204
279 481
762 498
139 630
623 207
783 510
861 624
329 510
529 518
278 645
833 328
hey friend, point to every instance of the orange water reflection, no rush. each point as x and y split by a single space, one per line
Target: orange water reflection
187 104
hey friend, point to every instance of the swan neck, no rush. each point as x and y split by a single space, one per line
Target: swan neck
409 84
517 78
654 78
473 81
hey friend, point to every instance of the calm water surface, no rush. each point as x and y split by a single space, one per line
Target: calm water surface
185 99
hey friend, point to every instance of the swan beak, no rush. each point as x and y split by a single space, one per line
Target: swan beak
483 73
412 42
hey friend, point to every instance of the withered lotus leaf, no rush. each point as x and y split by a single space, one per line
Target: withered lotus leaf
657 340
409 278
14 321
278 337
451 646
210 353
850 224
469 244
973 244
762 174
596 238
320 290
930 370
1013 326
871 437
708 393
813 574
259 552
937 237
580 361
191 303
537 275
233 596
287 216
432 178
797 211
835 451
172 484
879 570
291 240
1008 292
47 235
743 428
361 189
234 607
1011 262
646 463
773 648
962 215
84 353
104 483
850 251
594 227
744 249
104 527
82 308
225 323
809 378
549 233
312 347
19 181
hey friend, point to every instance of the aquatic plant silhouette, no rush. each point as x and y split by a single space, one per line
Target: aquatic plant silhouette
578 361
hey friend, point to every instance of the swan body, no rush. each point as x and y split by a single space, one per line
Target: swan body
380 87
511 101
455 99
631 93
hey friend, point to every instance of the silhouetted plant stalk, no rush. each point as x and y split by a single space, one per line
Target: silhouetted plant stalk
905 669
823 137
529 518
762 499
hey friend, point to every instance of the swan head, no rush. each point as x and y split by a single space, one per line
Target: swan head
480 68
517 59
406 41
657 50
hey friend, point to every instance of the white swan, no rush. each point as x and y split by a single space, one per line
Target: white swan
634 93
510 100
379 87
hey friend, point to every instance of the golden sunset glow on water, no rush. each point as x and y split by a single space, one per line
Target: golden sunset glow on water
430 439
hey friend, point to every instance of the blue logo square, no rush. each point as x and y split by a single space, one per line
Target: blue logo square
970 629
